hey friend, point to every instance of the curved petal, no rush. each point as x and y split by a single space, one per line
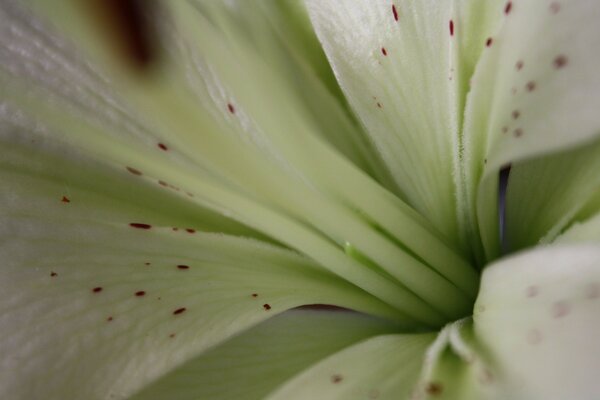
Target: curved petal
383 367
405 68
100 294
537 318
564 184
536 91
254 363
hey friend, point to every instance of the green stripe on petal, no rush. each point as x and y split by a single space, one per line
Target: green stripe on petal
255 362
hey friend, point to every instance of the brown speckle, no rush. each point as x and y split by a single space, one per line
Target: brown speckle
162 146
267 306
179 311
530 86
531 291
172 335
174 229
504 129
384 51
231 108
163 183
53 274
379 105
516 114
140 293
434 388
560 309
97 289
508 7
134 171
519 65
518 132
190 230
254 295
395 12
147 264
109 319
489 42
65 199
139 225
183 266
336 378
560 61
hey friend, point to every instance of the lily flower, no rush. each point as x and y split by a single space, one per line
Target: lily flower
300 200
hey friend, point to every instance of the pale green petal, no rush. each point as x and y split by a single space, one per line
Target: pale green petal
545 195
405 69
537 317
255 362
166 292
534 92
586 231
266 169
383 367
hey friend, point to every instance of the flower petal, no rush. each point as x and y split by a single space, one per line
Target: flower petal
383 367
254 363
101 295
404 67
537 318
564 184
536 91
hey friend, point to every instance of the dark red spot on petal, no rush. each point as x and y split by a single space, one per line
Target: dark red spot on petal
530 86
190 230
179 311
508 7
181 266
516 114
254 294
451 26
532 291
53 274
139 225
560 61
384 51
65 199
109 319
518 132
267 307
560 309
97 289
395 12
489 42
140 293
519 65
336 378
163 146
231 108
434 388
133 171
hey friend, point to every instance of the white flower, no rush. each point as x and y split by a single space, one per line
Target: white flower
162 221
